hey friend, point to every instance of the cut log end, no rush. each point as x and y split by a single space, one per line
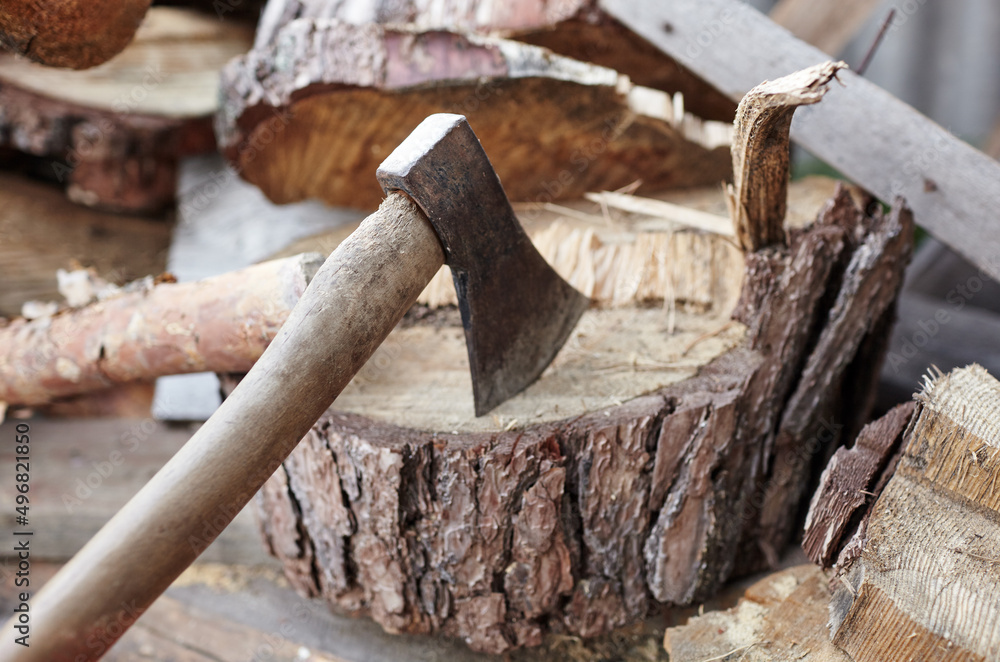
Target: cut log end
78 35
554 128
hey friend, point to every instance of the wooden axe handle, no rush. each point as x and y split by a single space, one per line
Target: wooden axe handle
352 304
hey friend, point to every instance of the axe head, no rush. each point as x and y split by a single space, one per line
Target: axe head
517 312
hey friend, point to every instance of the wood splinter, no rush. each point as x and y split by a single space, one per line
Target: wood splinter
757 199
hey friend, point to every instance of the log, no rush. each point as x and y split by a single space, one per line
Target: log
77 34
781 617
112 135
554 128
924 584
147 330
622 478
577 29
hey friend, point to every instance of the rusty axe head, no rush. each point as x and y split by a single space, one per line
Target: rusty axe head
517 312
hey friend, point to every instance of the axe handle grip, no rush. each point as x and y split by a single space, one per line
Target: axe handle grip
354 301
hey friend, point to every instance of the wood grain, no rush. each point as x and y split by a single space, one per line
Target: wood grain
925 584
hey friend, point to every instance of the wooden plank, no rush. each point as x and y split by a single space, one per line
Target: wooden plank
42 231
83 471
236 613
860 129
826 24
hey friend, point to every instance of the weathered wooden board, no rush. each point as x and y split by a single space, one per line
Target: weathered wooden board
860 129
826 24
83 471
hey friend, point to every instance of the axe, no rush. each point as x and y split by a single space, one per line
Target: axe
445 205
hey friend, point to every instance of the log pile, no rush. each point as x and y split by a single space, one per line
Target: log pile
112 135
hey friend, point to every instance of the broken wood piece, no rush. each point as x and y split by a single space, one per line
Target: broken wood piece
555 128
112 135
218 324
761 150
829 25
77 34
612 482
577 29
850 483
926 583
781 617
691 218
953 188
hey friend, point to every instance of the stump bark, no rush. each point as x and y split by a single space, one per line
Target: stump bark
565 513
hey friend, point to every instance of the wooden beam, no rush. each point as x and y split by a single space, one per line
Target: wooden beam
84 471
860 129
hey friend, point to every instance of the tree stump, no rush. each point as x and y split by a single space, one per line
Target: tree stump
629 473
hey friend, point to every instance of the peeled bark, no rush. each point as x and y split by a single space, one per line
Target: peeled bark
578 517
149 330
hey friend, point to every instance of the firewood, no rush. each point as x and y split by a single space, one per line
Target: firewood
148 330
76 34
578 29
852 480
554 128
112 135
924 583
781 617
